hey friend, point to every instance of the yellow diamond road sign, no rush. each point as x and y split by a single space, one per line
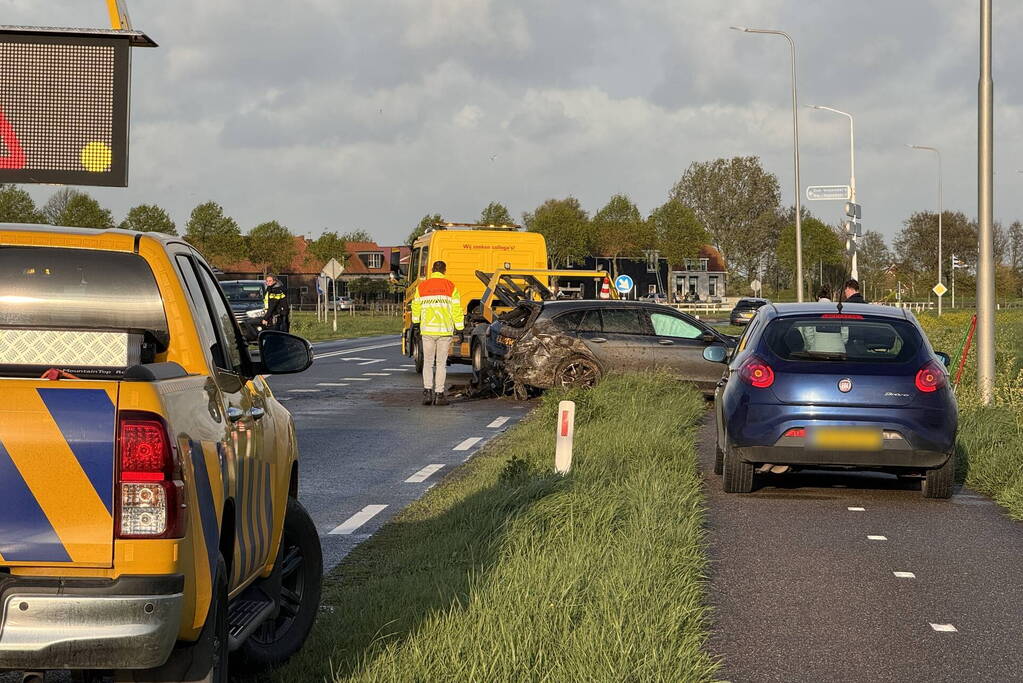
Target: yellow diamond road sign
940 289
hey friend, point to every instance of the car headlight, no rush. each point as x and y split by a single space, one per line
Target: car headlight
258 313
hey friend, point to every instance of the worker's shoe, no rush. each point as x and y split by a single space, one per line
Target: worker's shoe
439 399
427 397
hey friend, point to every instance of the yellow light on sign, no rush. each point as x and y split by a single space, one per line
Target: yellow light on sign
96 157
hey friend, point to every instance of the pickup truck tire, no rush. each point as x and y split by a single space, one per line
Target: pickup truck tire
417 353
206 660
300 563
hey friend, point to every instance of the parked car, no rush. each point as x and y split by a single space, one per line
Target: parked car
343 303
826 386
745 309
655 297
574 343
247 305
151 525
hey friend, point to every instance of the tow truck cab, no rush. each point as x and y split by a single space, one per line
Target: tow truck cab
148 475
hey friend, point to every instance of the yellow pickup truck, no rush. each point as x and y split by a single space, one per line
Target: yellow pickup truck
149 521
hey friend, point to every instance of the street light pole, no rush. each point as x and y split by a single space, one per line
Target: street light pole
854 269
940 210
985 211
795 153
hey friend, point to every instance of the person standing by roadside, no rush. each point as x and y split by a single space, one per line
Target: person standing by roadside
437 309
275 302
851 292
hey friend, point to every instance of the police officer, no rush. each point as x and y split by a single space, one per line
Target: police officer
275 302
437 309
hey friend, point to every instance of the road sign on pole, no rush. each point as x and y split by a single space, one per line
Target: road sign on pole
333 270
828 192
755 286
624 284
939 289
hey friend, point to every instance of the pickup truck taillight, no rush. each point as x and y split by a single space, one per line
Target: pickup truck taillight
149 479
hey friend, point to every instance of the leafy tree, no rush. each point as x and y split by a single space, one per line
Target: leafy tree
736 200
822 247
357 236
564 226
678 233
619 230
874 258
425 224
149 218
916 245
272 246
495 214
16 206
73 208
368 287
1015 246
327 246
215 235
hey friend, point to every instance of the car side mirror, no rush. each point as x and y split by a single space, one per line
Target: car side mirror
944 357
715 354
708 337
281 353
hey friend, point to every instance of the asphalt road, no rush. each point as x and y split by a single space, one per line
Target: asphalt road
363 432
801 592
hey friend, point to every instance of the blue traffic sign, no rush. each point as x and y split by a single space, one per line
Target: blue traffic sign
624 284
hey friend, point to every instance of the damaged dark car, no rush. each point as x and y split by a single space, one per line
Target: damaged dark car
539 345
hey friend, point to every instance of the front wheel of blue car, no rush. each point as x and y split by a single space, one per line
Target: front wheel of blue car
738 475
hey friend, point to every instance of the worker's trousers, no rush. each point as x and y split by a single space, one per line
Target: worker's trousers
435 362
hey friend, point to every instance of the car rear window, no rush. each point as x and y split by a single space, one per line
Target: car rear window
837 337
243 292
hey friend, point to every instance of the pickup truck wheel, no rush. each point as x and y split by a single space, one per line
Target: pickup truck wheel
417 353
300 563
479 373
938 483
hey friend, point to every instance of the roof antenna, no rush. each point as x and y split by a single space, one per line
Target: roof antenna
841 293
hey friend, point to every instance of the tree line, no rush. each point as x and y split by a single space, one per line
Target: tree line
269 245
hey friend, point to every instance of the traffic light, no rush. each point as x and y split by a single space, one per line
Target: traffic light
851 225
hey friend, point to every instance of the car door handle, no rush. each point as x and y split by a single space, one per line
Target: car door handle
234 414
599 340
665 342
257 413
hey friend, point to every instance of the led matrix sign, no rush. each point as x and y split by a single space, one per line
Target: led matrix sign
64 108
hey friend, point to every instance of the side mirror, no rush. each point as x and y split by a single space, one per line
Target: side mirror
281 353
715 354
944 357
708 337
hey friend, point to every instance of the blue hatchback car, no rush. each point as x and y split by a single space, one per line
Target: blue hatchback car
822 386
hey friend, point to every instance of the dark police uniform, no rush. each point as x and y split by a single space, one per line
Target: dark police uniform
277 311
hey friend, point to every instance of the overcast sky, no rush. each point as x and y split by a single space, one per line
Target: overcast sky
336 114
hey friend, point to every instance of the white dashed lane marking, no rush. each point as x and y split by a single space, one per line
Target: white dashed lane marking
877 538
370 362
498 422
423 474
303 391
355 379
331 384
377 374
904 575
347 352
468 443
397 369
358 519
944 628
857 509
408 366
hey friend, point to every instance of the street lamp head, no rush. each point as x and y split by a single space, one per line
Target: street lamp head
739 28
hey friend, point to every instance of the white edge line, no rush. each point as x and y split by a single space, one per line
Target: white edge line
498 422
357 520
468 443
904 575
423 474
346 352
856 509
877 538
331 384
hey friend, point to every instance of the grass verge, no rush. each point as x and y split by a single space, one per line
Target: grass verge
990 443
304 324
508 572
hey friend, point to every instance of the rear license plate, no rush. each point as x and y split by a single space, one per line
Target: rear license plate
846 439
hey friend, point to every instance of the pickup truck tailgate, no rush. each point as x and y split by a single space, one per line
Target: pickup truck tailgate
57 451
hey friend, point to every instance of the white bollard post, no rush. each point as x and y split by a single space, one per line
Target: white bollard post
566 432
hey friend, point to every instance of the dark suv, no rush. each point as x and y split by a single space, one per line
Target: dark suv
247 305
574 343
745 309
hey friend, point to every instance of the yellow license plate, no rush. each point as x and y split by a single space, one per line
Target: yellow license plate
846 439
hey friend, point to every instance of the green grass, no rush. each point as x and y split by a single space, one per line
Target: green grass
508 572
990 443
304 324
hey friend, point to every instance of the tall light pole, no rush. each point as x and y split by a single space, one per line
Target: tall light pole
985 211
795 153
935 150
854 269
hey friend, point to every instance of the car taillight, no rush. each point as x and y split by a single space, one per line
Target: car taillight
931 377
798 432
756 373
149 479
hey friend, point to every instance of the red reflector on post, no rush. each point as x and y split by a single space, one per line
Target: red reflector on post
842 316
564 423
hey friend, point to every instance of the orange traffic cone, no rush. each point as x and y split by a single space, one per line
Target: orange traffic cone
605 289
